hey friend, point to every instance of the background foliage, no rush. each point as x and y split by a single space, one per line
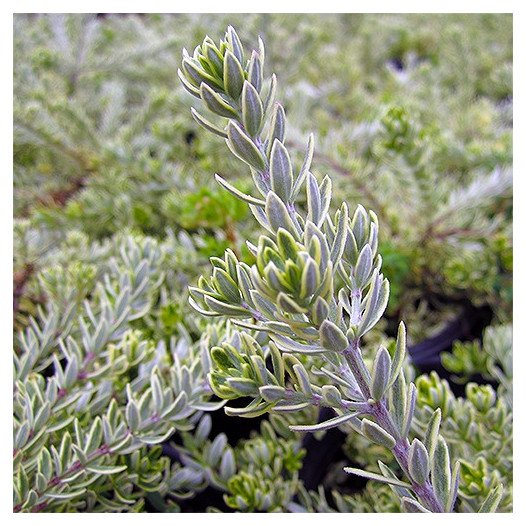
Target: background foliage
116 213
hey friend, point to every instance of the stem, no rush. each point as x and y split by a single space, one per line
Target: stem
356 364
425 492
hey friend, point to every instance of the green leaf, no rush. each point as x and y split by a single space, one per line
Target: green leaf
197 76
226 286
431 436
452 497
205 123
276 129
234 191
302 379
243 147
310 278
492 501
251 109
441 472
243 386
272 393
215 103
133 416
105 470
412 506
341 235
332 338
377 477
255 71
256 408
418 462
277 214
381 373
364 266
378 435
327 424
305 167
287 344
233 75
399 355
313 200
271 93
66 495
280 171
225 309
235 43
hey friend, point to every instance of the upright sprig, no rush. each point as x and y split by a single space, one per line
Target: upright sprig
316 288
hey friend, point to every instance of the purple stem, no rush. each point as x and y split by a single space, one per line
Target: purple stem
379 410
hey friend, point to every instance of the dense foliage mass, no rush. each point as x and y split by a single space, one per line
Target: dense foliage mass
125 357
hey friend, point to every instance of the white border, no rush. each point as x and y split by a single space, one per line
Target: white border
280 6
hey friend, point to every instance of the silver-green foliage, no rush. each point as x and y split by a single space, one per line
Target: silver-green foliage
316 289
93 396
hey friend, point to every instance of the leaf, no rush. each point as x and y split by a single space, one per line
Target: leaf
381 373
363 267
215 103
226 285
243 147
187 86
235 43
276 129
289 407
418 462
412 506
271 93
332 338
66 495
327 424
280 171
222 308
256 408
302 379
341 235
431 436
287 344
376 303
305 167
378 435
387 472
233 75
196 307
377 477
410 409
398 400
313 200
491 502
234 191
287 245
441 472
243 386
251 109
277 214
197 76
156 439
452 497
105 470
205 123
399 355
310 279
255 71
272 393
